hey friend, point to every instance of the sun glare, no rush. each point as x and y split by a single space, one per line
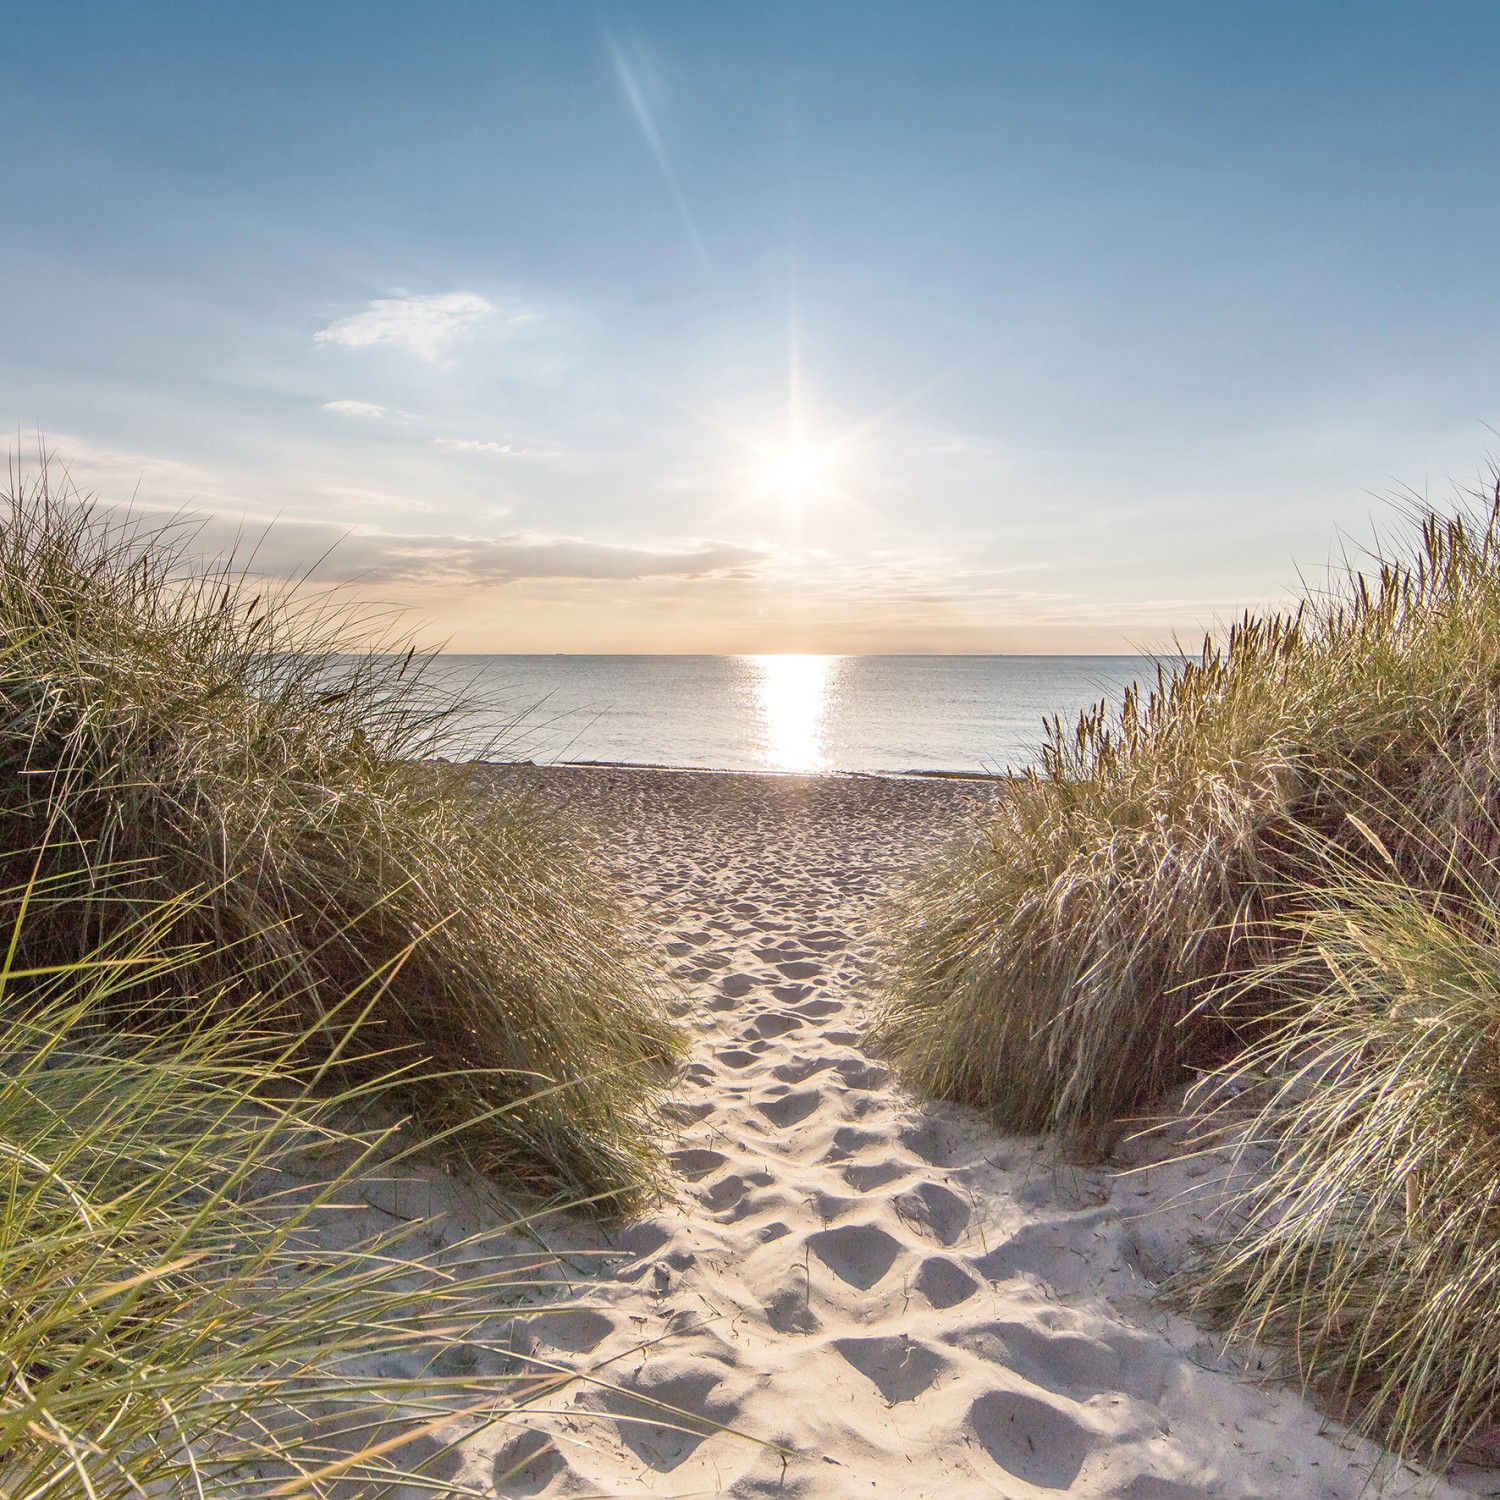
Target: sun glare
796 473
792 698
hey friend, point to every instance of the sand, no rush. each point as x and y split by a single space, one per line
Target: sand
880 1296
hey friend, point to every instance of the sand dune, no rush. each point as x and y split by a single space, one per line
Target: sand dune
880 1297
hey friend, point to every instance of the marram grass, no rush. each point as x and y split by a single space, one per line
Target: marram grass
171 729
1060 966
1367 1240
1279 870
171 1321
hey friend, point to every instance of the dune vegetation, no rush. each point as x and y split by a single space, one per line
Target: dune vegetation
256 943
171 730
176 1319
1276 870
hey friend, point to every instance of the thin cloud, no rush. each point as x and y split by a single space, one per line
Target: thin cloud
424 326
365 410
472 445
111 472
287 547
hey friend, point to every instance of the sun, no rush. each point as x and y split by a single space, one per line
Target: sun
794 473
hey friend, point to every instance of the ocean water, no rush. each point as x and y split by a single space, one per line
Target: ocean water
783 713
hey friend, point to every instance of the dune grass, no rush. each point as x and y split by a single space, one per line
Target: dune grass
173 1317
1367 1239
1279 867
169 729
1061 966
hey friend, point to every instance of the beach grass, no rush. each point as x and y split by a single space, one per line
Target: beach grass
256 768
1364 1233
196 1298
1277 865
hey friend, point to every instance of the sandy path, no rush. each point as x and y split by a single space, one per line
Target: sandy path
903 1302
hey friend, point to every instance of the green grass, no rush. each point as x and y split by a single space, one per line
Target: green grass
1279 865
174 1319
1368 1245
170 730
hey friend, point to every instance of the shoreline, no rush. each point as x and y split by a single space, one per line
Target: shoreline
999 778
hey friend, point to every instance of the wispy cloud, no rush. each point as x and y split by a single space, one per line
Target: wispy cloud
507 450
366 410
448 561
424 326
115 473
632 76
505 559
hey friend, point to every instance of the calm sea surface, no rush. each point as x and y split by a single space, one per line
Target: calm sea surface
785 713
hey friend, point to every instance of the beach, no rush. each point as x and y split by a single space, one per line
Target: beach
853 1292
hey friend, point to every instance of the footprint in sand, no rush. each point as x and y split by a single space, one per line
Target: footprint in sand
800 968
858 1254
934 1143
830 1207
943 1283
736 1057
1047 1251
665 1409
572 1330
790 994
898 1367
1030 1438
526 1465
800 1068
857 1073
865 1179
727 1191
848 1139
789 1311
642 1239
775 1023
791 1109
816 1010
1067 1362
935 1210
697 1162
688 1114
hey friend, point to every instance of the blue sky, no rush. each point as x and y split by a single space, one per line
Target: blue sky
687 325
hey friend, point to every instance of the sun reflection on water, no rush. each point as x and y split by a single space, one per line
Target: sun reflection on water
791 696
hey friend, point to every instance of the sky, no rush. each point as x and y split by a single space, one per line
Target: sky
829 325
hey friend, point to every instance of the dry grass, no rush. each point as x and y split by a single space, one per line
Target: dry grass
172 1319
1279 868
1368 1245
168 729
1062 966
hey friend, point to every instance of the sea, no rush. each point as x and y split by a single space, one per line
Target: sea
786 713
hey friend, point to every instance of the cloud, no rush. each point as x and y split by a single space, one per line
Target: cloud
506 559
470 445
367 410
113 473
424 326
287 548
